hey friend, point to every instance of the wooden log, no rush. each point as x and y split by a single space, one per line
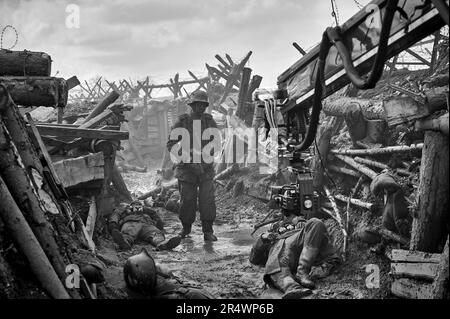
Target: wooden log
355 202
37 91
83 133
28 199
425 271
381 151
250 107
440 285
320 160
359 167
243 90
429 230
436 124
100 107
346 106
371 163
410 289
25 239
24 63
344 170
413 256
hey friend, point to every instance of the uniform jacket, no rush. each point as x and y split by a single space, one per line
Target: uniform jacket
192 172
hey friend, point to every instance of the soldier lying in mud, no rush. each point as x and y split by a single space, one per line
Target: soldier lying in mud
135 222
288 251
145 279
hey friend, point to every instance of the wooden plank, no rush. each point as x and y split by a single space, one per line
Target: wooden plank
92 217
414 270
84 133
411 289
401 255
78 170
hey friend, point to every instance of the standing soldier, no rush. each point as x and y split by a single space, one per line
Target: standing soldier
195 180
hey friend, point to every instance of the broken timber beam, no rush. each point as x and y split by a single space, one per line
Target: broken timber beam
426 271
355 202
29 245
83 133
380 151
359 167
344 170
413 256
104 103
371 163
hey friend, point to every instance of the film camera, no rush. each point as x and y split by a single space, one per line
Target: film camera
297 198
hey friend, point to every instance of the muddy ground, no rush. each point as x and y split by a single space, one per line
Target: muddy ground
222 267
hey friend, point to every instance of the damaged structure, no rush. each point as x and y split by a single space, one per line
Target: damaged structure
349 172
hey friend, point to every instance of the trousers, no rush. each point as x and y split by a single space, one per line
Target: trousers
198 194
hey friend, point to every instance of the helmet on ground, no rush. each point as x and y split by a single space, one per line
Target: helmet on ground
199 97
140 272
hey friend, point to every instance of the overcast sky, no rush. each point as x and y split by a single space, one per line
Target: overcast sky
136 38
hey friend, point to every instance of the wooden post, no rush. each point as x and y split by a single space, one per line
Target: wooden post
242 98
100 107
430 222
29 245
320 160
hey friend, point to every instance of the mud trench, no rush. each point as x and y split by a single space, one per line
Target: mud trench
223 267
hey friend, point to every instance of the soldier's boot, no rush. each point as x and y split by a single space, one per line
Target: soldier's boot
169 244
185 231
120 240
287 284
306 260
208 233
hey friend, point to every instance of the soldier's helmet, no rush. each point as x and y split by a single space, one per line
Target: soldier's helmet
199 97
140 272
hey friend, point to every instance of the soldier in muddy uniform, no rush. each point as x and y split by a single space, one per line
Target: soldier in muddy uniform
135 222
195 180
289 250
145 279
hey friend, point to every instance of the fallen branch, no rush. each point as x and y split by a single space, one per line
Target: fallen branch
371 163
338 217
355 202
379 151
359 167
344 170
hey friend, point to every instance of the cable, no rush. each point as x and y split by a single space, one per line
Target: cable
332 36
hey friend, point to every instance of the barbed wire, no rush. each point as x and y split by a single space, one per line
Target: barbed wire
3 32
